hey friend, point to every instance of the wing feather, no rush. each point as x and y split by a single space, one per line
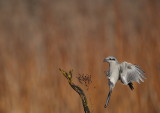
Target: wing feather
131 73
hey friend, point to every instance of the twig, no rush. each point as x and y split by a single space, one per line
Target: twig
77 89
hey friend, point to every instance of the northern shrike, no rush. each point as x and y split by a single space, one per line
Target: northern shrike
125 72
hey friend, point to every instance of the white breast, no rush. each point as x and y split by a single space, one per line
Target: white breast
114 74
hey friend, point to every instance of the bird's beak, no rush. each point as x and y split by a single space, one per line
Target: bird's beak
105 60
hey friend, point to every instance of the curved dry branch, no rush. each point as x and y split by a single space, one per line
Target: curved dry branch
77 89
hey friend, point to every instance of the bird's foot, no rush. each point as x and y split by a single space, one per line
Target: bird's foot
107 73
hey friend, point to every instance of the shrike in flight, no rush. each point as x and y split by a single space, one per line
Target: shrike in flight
125 72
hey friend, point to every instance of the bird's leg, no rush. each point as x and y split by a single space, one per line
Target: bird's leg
107 73
108 98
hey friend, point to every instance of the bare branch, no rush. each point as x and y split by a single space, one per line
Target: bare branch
77 89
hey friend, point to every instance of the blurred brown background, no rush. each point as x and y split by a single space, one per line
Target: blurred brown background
39 36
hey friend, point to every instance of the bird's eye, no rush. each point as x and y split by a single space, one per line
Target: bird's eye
110 59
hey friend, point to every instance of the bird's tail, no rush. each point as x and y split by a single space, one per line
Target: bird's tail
108 98
131 86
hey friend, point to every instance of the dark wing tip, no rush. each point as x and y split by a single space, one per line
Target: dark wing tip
144 77
139 68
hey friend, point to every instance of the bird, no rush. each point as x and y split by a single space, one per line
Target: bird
125 72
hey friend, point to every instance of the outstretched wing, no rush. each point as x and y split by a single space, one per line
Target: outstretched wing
131 73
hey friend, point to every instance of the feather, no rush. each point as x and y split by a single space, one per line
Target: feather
131 73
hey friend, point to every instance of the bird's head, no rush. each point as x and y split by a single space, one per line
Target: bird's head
110 59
